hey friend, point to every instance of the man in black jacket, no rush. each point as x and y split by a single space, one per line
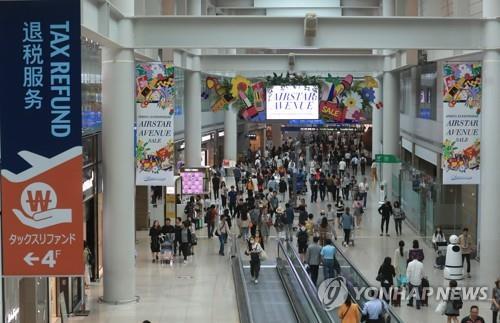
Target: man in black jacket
177 230
385 211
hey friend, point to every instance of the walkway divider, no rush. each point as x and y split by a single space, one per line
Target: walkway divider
242 298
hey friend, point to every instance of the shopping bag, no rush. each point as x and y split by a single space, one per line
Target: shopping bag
441 308
263 256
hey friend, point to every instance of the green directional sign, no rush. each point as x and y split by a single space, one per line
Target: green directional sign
386 159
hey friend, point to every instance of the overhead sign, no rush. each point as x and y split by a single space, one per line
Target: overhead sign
461 123
292 102
154 153
387 159
41 138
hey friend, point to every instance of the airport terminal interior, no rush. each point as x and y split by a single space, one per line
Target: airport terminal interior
253 161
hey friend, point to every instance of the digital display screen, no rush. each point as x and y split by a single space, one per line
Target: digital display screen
292 102
192 183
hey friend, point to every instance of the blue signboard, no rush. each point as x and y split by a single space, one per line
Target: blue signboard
40 126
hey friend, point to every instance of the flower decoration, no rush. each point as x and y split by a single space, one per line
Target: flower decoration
239 84
370 82
352 100
368 94
357 115
464 69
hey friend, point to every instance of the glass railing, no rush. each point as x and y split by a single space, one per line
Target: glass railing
242 298
302 293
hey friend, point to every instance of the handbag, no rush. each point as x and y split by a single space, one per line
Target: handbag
403 215
379 277
441 308
263 256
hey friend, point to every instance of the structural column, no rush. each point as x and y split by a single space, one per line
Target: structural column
192 107
490 154
231 134
390 134
377 123
118 161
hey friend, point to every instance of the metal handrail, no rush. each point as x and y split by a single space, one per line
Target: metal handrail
292 266
308 279
393 315
243 301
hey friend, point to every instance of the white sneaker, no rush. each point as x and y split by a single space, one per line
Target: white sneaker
256 281
185 262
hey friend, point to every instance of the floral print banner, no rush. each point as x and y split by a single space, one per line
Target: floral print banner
155 94
461 123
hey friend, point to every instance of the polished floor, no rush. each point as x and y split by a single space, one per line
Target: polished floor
203 291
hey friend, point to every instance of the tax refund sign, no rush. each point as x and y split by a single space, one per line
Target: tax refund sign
292 102
41 148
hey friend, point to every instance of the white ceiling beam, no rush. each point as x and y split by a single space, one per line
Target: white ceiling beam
333 32
280 63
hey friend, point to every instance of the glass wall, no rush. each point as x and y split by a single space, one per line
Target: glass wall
429 204
91 86
427 92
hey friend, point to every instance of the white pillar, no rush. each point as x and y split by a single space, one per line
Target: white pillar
388 8
231 134
192 108
490 155
377 123
390 136
119 187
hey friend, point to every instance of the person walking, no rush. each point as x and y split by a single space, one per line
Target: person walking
282 187
416 252
210 217
438 238
415 274
385 276
385 210
398 218
185 240
357 206
375 309
363 190
466 245
216 186
347 223
328 258
254 250
313 259
302 239
232 195
222 232
223 194
339 206
289 216
454 302
349 312
324 231
400 264
154 234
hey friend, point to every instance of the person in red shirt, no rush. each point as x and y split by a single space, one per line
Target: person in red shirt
473 317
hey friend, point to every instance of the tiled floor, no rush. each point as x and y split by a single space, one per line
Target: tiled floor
200 291
203 289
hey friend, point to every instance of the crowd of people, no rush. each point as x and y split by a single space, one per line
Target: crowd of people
269 194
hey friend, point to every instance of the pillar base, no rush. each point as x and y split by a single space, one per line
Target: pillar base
120 302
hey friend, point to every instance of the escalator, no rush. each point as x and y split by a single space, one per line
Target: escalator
280 295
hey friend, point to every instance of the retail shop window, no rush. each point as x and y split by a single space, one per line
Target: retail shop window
427 92
405 98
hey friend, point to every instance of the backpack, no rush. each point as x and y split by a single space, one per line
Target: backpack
302 237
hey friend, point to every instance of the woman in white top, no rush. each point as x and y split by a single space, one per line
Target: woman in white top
400 264
438 237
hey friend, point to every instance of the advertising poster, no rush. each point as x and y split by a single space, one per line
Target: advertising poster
41 138
292 102
155 96
461 123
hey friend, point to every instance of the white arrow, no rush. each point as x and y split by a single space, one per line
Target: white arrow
29 259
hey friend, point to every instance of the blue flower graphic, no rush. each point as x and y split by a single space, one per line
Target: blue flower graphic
368 94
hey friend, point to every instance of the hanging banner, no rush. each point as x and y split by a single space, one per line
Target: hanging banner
41 138
155 94
461 123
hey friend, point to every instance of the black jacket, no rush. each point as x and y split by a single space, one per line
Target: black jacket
385 210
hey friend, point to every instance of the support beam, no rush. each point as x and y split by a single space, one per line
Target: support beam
363 64
333 33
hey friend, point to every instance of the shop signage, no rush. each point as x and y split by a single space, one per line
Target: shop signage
41 143
386 159
461 123
292 102
154 153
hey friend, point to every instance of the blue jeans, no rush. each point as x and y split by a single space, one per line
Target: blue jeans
221 243
328 271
